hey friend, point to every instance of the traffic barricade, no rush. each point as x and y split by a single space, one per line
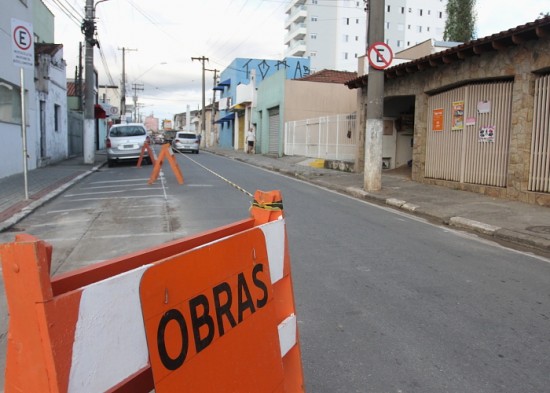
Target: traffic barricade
213 312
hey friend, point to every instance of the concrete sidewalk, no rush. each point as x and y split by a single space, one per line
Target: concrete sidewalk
43 184
519 223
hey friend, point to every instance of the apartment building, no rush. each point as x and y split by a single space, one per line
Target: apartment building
333 33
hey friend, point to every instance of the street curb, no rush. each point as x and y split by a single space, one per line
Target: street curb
6 224
461 222
458 222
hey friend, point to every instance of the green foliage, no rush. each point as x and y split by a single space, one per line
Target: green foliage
461 21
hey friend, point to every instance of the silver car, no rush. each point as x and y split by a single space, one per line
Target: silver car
124 142
186 141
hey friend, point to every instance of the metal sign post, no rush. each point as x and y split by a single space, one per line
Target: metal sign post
23 56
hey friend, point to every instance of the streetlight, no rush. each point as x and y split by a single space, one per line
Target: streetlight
88 28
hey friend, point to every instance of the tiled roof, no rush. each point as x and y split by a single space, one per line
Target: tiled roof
330 76
539 29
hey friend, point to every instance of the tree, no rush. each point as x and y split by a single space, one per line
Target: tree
461 21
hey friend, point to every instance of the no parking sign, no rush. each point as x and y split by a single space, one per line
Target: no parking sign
22 43
380 55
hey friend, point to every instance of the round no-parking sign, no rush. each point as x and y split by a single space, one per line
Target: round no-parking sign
22 43
380 55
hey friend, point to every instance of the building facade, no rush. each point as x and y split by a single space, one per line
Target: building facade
333 34
45 92
478 113
237 84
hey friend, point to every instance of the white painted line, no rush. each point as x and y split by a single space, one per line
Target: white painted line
120 181
111 198
93 193
70 210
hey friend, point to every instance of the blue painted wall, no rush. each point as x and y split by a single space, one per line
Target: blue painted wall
239 72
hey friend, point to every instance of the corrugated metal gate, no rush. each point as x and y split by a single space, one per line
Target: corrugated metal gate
274 126
469 133
539 170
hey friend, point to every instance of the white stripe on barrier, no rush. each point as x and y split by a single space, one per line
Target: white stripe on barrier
110 343
287 334
274 233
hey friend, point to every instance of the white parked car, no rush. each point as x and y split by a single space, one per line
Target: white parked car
186 141
124 142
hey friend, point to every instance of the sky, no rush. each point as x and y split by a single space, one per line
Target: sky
161 37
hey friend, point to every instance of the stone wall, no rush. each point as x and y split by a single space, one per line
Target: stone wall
520 62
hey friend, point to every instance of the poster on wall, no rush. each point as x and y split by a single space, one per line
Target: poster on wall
487 134
437 120
484 106
458 116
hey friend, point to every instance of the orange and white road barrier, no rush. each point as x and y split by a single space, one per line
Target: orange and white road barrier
166 153
150 153
213 312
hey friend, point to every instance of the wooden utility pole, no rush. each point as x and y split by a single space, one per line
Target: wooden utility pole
372 180
136 87
202 59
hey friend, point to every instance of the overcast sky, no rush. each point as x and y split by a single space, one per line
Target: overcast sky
163 35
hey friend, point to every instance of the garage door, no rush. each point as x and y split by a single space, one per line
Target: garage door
274 126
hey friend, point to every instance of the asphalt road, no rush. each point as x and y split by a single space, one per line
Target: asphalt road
385 302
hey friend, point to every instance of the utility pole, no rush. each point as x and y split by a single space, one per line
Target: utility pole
88 28
78 79
136 87
202 59
372 180
123 87
213 100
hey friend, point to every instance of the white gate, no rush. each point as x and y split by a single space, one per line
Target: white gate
329 137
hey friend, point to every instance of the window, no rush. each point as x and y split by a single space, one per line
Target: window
420 29
408 27
356 38
402 10
345 55
399 44
312 54
388 8
346 38
387 25
314 1
314 19
10 102
440 14
420 12
347 21
57 117
313 36
356 21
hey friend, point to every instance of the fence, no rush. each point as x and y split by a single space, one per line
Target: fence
328 137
